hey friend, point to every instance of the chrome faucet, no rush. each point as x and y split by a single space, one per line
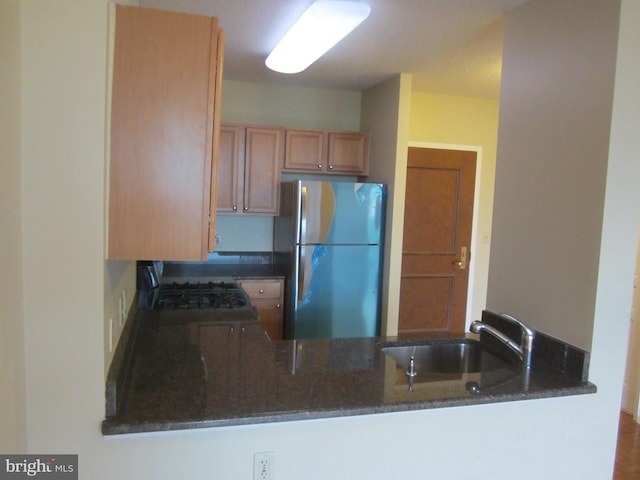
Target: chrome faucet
526 341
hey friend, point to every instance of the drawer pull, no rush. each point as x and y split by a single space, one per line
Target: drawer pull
261 291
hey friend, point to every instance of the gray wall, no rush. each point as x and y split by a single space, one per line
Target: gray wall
553 142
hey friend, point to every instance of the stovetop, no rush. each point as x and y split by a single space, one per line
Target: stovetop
206 295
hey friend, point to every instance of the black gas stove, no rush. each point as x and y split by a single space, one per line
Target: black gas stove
209 295
159 292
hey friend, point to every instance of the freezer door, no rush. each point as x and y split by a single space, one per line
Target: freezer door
337 292
340 213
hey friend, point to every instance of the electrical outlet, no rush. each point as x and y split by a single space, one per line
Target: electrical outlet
110 335
263 466
123 307
125 303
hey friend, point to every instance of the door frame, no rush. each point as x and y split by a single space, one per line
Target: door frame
471 291
631 384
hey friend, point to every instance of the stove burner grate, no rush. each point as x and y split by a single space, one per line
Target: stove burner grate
200 296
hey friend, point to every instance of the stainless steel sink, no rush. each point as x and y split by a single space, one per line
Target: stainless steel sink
458 356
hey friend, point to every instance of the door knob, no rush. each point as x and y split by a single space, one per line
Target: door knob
462 263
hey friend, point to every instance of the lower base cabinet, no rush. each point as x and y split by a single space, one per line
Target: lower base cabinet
267 296
229 351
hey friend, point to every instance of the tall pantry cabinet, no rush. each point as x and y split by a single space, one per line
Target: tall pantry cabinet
165 124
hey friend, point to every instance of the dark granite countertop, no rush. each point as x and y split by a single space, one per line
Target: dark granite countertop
185 371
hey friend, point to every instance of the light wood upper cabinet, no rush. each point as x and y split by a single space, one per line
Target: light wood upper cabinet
230 174
322 151
165 93
249 169
305 150
348 153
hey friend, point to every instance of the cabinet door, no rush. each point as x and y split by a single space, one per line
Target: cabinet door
267 296
219 347
348 153
270 314
162 133
263 161
257 367
305 150
217 119
230 175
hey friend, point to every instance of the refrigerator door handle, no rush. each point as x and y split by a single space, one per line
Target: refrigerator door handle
304 212
301 275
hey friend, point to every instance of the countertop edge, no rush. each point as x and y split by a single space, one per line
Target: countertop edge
113 427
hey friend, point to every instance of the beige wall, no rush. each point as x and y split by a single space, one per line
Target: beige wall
464 122
12 355
289 106
385 113
63 142
119 275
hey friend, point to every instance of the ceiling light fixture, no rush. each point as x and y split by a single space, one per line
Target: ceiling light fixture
320 27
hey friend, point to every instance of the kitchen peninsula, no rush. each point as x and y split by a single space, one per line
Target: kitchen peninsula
199 371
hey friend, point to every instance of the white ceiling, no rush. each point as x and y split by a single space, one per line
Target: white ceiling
450 46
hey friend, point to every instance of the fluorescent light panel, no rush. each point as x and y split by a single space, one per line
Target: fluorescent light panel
320 27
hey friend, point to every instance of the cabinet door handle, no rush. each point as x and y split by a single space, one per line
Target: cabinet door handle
319 165
330 167
234 208
261 291
246 209
277 305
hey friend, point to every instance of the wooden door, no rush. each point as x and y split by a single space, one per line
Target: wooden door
437 236
631 385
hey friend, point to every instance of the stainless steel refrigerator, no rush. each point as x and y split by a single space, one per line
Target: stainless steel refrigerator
329 238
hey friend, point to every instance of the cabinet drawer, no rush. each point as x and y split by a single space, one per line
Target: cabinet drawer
259 289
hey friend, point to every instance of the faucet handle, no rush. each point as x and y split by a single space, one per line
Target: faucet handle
526 330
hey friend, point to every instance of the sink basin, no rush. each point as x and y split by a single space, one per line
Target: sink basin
459 356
